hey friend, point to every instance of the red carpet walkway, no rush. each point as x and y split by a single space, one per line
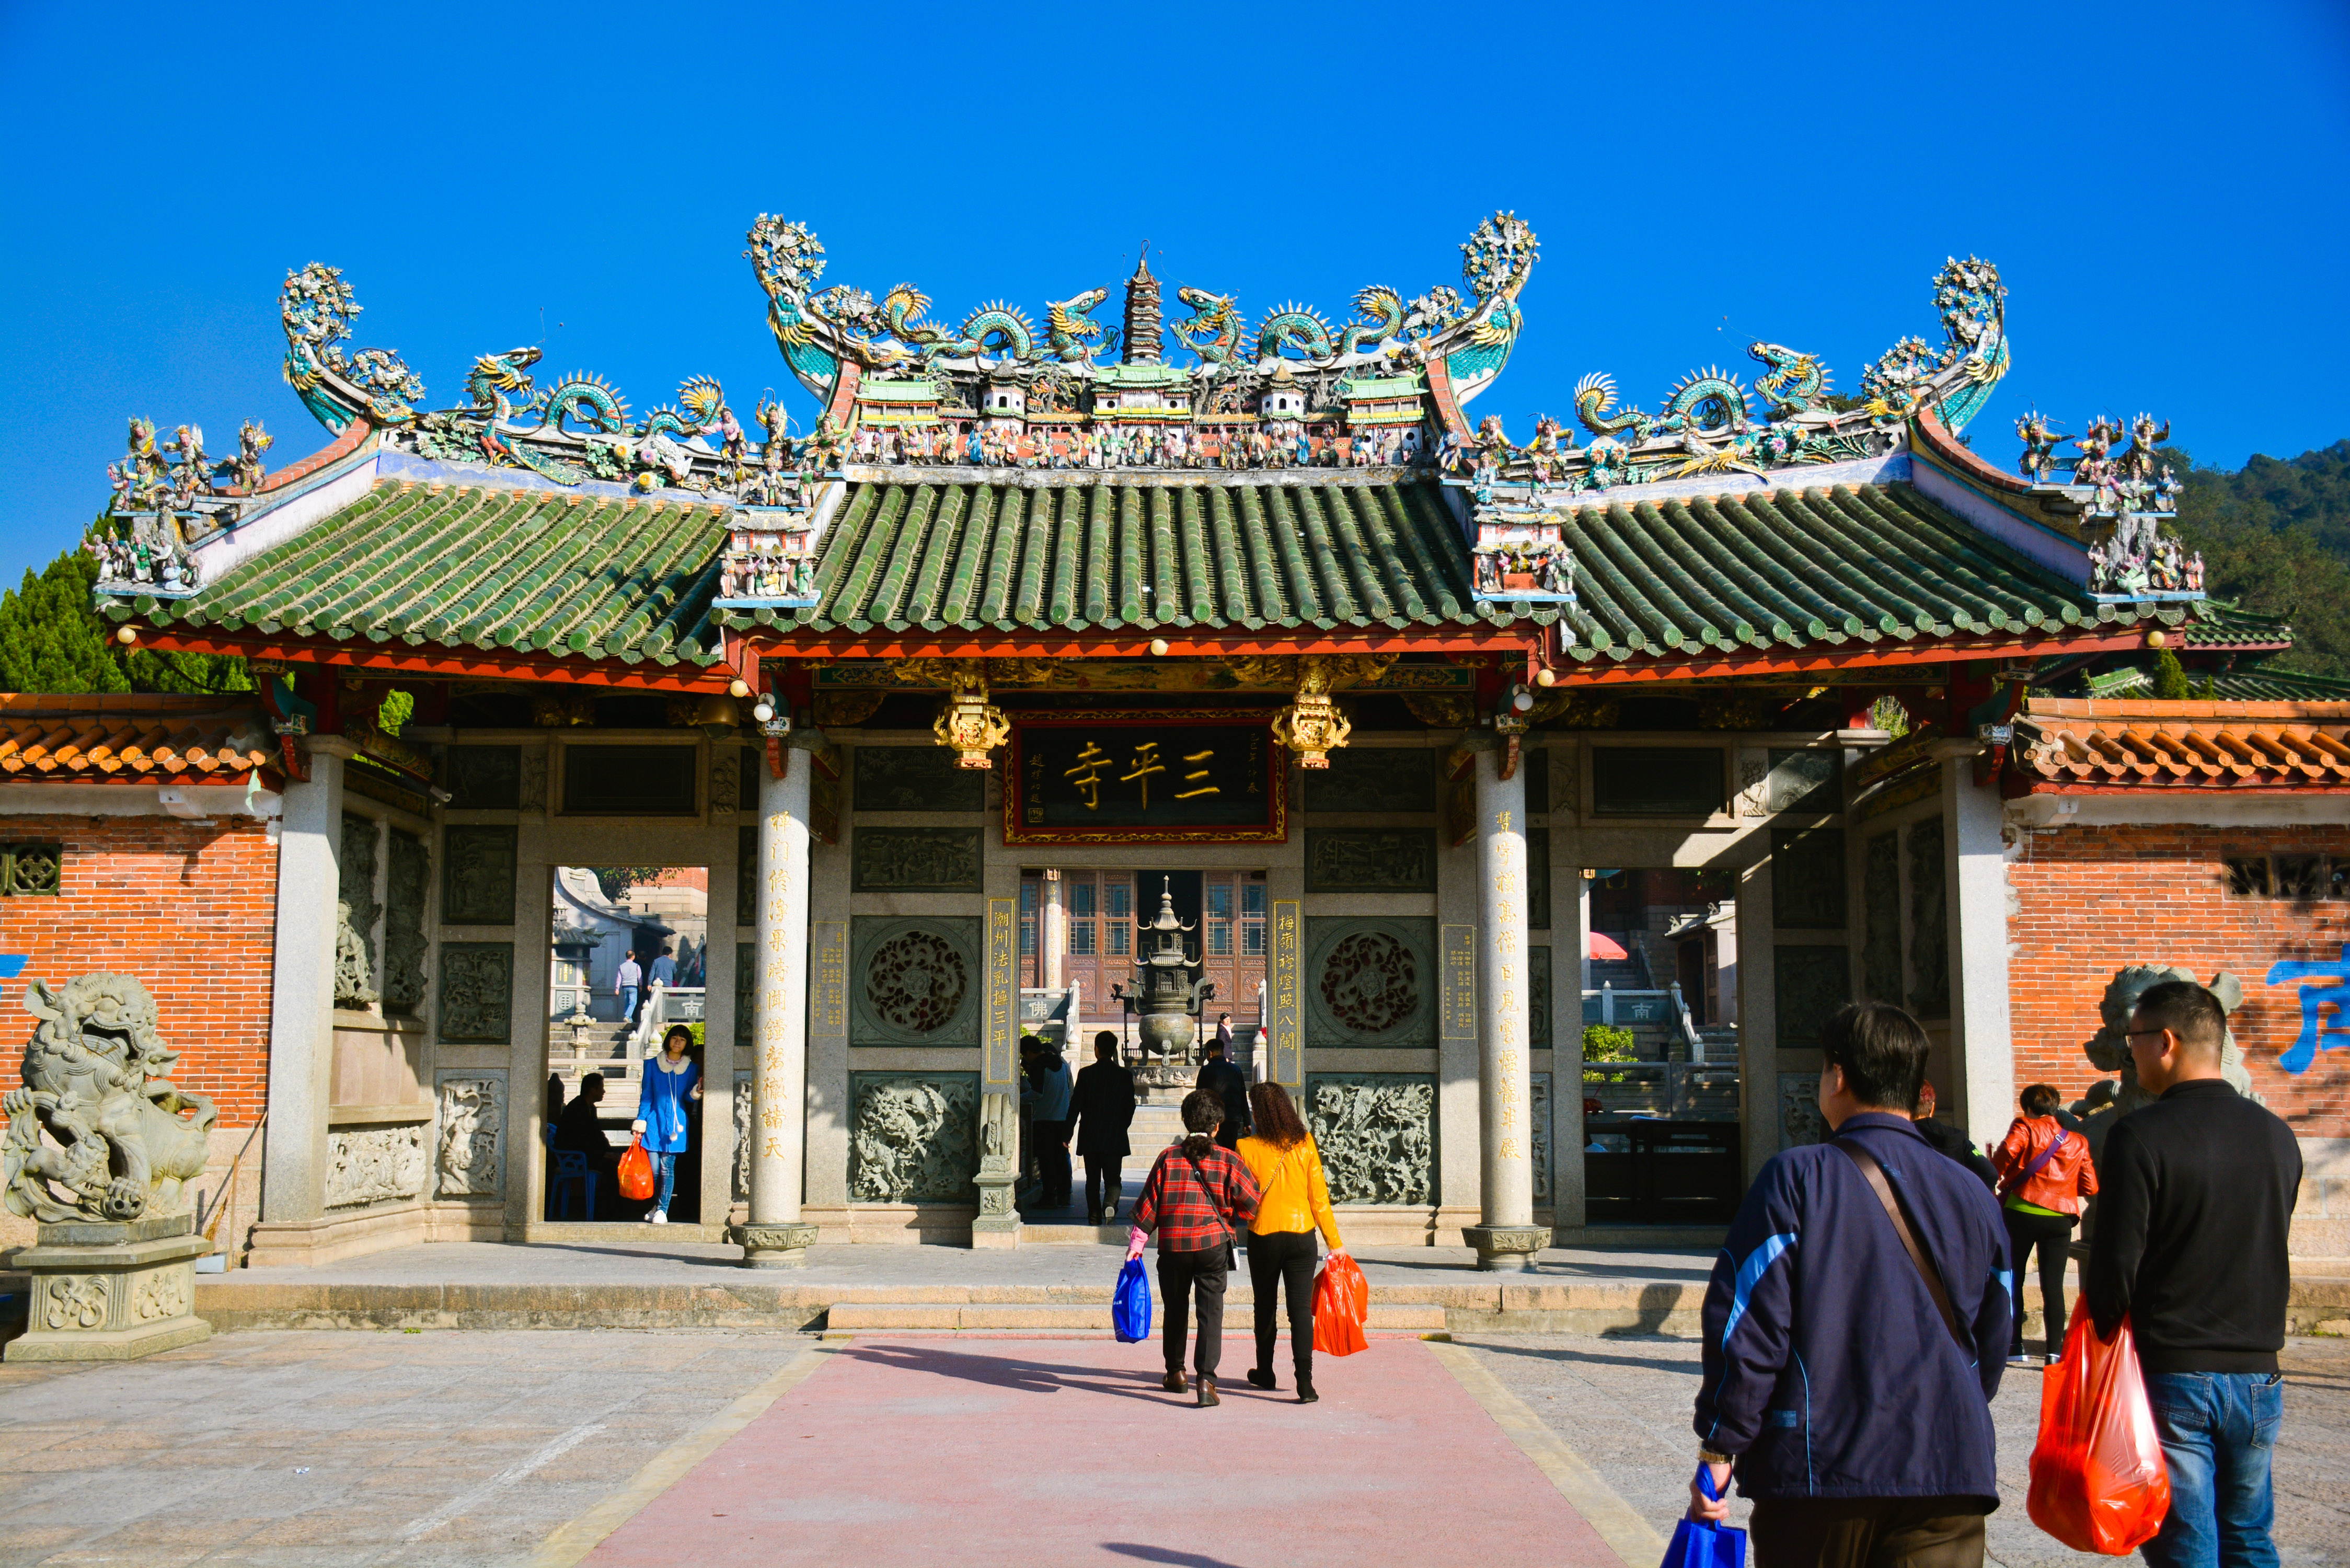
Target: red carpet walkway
1042 1452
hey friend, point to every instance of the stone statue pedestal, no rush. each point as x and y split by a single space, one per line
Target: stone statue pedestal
1507 1249
111 1291
773 1246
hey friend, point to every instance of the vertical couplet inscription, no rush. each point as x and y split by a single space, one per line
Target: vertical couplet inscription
1461 982
1288 1064
1003 936
828 999
1509 1000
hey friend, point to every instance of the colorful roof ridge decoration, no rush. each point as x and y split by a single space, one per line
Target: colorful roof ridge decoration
131 739
2102 744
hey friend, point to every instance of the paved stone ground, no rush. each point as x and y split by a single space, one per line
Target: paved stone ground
1624 1403
324 1450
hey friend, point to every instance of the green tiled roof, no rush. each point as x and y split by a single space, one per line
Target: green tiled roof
2266 684
465 567
1806 570
1065 557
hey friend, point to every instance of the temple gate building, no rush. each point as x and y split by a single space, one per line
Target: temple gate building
1693 723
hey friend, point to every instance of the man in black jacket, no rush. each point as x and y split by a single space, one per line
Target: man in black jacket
1102 1107
1231 1086
1950 1140
2195 1195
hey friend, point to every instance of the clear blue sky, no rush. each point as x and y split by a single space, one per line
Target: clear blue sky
2161 185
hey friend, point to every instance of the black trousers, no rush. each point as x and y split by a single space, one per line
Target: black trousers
2052 1234
1180 1274
1867 1532
1284 1259
1052 1162
1103 1185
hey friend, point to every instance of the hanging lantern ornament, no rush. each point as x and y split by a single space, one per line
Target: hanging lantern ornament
1312 726
969 723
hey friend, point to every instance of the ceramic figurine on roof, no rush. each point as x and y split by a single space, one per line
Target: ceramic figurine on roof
1295 391
2122 503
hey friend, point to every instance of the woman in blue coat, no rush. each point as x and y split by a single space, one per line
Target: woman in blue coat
671 1078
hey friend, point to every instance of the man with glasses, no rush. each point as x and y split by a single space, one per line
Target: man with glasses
2195 1199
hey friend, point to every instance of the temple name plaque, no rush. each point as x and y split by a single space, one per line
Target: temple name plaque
1142 777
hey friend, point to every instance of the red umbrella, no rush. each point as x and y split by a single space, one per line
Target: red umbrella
1607 947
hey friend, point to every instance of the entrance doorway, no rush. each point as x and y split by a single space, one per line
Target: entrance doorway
630 967
1100 914
1659 1057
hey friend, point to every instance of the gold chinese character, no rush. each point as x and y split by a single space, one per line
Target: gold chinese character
1504 883
1500 821
1086 774
1509 1149
771 1116
774 1149
1146 762
778 822
1506 944
778 879
1505 912
1194 777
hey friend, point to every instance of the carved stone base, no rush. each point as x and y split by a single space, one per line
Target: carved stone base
111 1292
997 1223
1507 1248
773 1246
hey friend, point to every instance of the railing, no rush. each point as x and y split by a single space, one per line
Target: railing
666 1005
1686 1090
1616 1008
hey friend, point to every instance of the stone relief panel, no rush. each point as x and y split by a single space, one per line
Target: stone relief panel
1799 1110
725 778
376 1165
354 972
1880 913
356 886
477 991
1929 931
913 1137
915 778
1370 982
1808 779
1364 778
532 795
472 1134
161 1295
1538 878
746 876
1807 883
477 882
1809 986
1370 860
74 1301
1538 979
486 778
914 981
1753 783
1543 1186
408 884
916 860
1378 1135
740 1186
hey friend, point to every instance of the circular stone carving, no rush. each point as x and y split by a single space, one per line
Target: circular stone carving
917 981
1369 982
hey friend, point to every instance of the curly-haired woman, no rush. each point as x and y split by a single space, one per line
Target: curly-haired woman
1196 1198
1288 1170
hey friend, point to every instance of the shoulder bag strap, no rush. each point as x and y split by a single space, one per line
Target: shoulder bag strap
1214 1207
2016 1184
1873 1175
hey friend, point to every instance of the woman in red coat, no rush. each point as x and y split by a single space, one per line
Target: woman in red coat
2043 1173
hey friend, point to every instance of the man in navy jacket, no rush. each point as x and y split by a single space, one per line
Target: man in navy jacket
1834 1381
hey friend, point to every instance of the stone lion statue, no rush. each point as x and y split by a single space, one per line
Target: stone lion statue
122 1137
2108 1049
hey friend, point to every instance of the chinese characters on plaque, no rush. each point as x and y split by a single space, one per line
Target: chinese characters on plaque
1143 778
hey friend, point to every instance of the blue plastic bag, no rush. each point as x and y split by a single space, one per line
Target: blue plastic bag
1129 1305
1696 1544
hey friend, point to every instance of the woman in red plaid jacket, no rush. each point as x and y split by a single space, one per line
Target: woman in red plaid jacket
1198 1198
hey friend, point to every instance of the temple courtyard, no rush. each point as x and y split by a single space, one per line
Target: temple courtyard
381 1440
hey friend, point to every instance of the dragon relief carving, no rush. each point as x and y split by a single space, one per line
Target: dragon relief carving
97 1131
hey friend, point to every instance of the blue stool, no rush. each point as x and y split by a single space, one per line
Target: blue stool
571 1166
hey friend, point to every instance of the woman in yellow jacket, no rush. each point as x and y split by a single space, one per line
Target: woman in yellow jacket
1288 1170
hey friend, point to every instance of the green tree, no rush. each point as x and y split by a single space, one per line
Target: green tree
52 640
2275 535
2169 677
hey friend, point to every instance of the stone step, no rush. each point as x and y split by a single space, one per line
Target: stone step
869 1317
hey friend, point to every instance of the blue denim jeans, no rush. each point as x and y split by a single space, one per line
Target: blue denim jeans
2219 1430
627 1004
664 1168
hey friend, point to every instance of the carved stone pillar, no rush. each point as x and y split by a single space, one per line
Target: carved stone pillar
998 1221
774 1236
302 991
1053 931
1508 1239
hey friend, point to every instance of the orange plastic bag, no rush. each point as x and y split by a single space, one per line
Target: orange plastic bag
2098 1480
1342 1298
636 1171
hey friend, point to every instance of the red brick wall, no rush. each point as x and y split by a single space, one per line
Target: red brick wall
189 909
2090 901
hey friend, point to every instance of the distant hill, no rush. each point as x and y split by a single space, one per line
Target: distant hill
2276 535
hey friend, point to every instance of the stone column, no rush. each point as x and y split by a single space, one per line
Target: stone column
997 1223
302 991
1508 1239
1053 931
1975 872
774 1236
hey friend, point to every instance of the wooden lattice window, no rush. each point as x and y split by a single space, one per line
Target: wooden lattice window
31 871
